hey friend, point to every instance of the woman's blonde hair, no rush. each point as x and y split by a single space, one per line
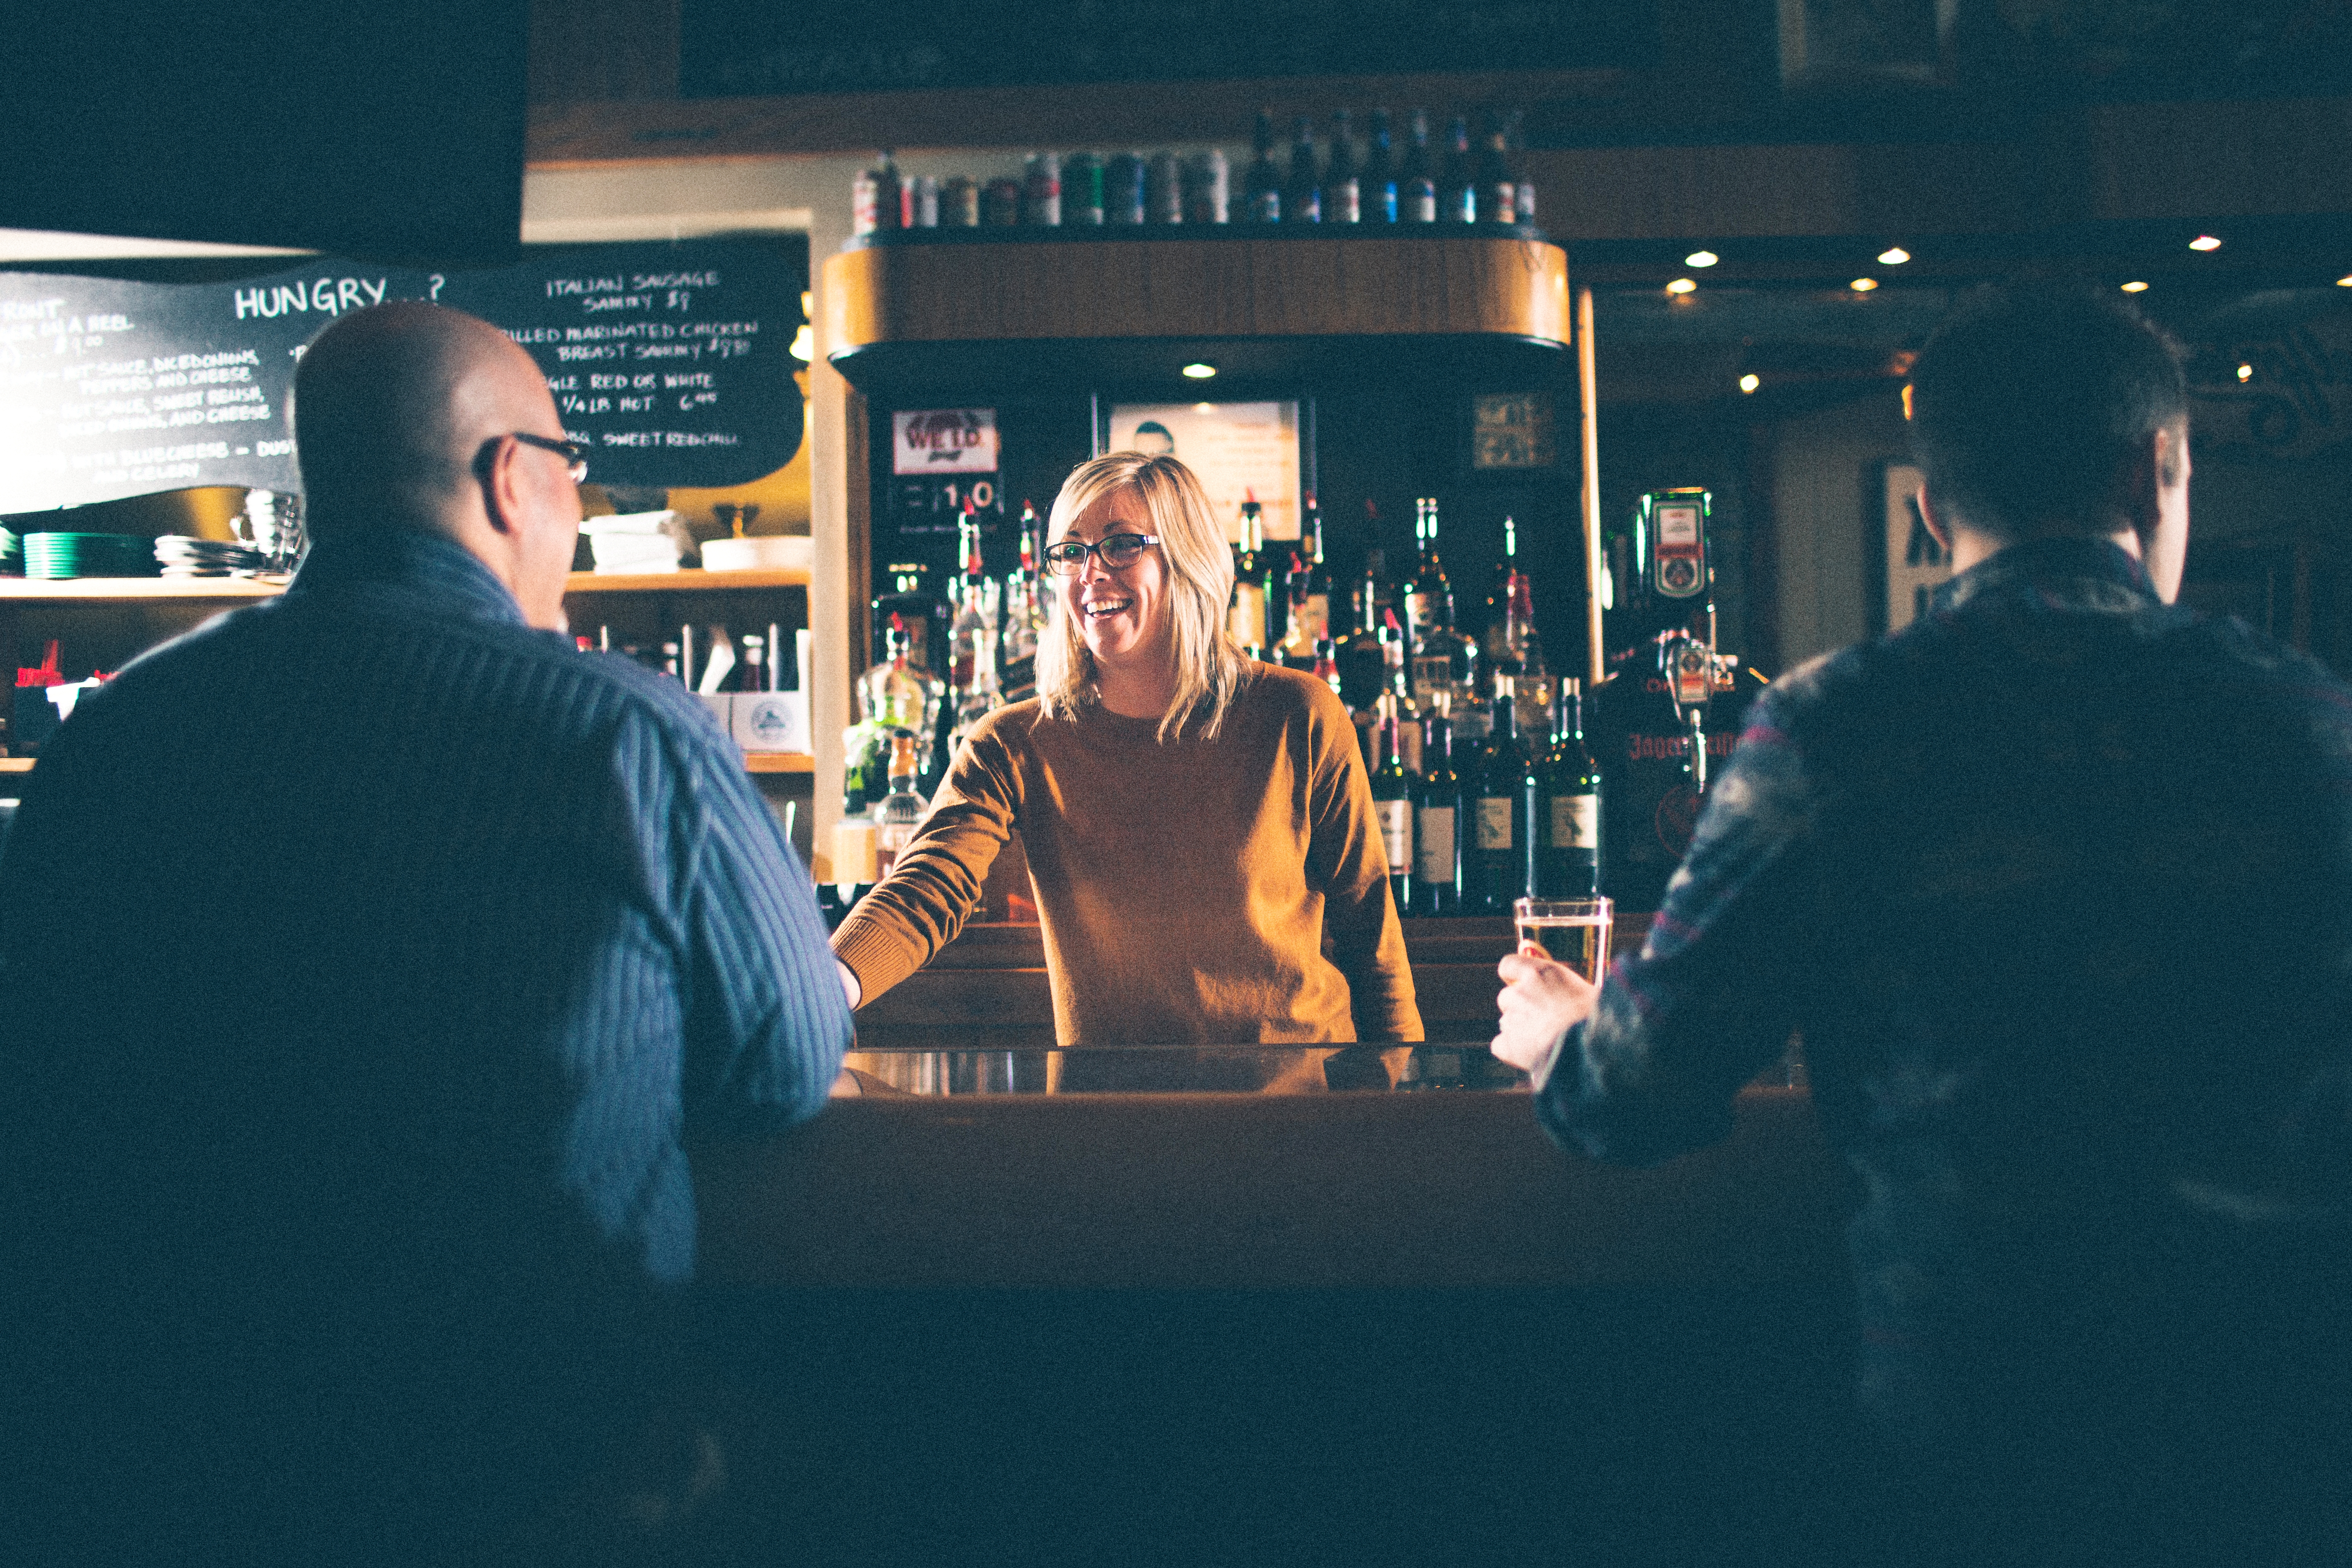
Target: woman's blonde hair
1210 668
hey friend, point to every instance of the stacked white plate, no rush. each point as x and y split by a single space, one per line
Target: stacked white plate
183 556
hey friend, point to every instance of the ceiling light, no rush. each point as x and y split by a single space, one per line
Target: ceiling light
1894 256
2135 287
1199 371
2345 282
2204 242
1701 258
2245 373
1681 286
1750 382
1863 285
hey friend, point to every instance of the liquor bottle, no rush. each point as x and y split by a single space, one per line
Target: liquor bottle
1495 855
1245 609
1537 688
1326 665
1501 635
1040 191
1566 808
1498 188
1396 648
1306 610
1262 185
1428 607
1082 190
921 614
1417 184
1457 187
876 200
897 814
972 638
1302 195
1393 804
1363 664
1437 820
1343 189
1024 616
1380 176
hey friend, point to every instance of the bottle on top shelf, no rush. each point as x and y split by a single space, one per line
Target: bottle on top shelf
972 635
1566 814
1437 819
1393 804
1024 616
1496 851
1457 185
1302 193
1248 607
1363 664
1499 187
1262 185
1040 191
875 198
1208 182
1380 178
1417 182
1082 190
1343 189
900 811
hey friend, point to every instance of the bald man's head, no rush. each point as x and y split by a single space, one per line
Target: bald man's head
391 405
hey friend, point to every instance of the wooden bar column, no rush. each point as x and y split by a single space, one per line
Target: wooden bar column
1597 665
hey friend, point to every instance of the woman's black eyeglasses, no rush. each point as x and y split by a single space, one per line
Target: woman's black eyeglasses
1114 550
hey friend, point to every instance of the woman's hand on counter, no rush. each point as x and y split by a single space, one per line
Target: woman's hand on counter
849 986
1541 1001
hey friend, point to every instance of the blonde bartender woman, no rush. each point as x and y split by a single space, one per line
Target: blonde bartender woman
1207 867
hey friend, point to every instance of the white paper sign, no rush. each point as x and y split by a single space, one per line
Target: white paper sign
943 441
1238 449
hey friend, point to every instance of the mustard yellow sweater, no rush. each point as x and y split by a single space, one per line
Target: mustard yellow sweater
1194 892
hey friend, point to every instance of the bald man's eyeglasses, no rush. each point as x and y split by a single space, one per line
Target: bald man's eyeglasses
571 452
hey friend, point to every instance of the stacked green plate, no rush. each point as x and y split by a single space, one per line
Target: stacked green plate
90 555
12 555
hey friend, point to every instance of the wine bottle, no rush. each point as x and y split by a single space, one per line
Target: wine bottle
1343 190
1437 815
1262 185
1496 852
1302 195
1417 184
1246 610
1379 182
1393 804
1567 807
1498 188
1457 189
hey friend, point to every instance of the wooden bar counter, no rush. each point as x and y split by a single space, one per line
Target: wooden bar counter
1300 1185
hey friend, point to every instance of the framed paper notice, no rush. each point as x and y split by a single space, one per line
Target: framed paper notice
1910 563
1238 449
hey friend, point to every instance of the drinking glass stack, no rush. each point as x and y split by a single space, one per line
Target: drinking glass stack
12 555
88 556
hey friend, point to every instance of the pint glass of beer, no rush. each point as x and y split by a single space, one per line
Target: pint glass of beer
1574 931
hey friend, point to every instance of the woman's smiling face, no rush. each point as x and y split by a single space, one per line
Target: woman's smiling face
1121 615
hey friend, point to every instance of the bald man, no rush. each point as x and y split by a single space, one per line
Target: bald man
368 955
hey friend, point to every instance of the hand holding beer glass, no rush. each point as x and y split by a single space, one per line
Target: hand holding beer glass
1550 982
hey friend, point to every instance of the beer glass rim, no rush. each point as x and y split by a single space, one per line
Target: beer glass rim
1561 909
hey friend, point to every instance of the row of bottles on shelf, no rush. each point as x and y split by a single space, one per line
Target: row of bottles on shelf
1339 182
1432 700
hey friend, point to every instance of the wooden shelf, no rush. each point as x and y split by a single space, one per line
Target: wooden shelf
129 590
754 762
686 581
125 590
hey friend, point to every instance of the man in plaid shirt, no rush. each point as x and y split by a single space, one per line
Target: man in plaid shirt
2056 886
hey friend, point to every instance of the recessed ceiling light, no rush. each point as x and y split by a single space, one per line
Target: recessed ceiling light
1863 285
1701 258
2245 373
2345 281
1199 371
2135 287
1681 286
1750 382
1894 256
2204 242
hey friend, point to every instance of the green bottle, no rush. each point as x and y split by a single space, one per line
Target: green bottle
1497 852
1565 806
1393 805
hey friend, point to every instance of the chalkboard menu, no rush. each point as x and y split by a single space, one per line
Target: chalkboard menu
731 48
671 361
